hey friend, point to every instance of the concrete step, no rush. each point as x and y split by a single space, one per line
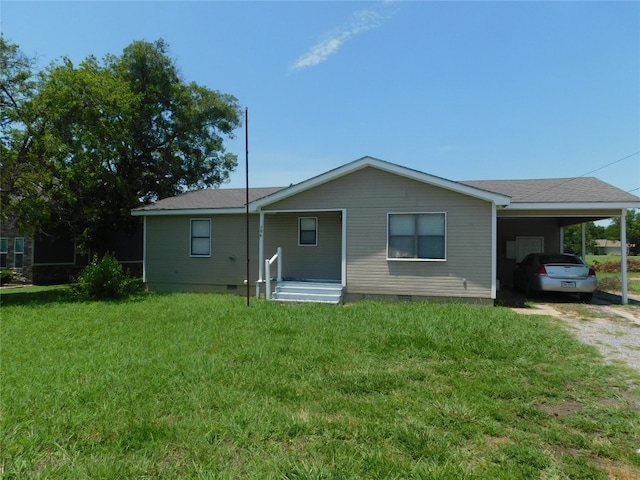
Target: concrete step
308 292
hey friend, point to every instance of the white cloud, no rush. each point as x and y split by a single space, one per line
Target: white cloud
360 22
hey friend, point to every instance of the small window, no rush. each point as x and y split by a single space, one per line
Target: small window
4 252
420 236
18 258
201 237
308 231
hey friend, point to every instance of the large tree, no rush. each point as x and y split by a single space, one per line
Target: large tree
108 136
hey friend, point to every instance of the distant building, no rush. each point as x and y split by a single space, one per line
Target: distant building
53 259
610 247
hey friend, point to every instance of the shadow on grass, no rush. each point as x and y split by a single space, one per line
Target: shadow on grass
53 294
507 297
37 295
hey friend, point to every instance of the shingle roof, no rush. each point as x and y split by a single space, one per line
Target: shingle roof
555 190
549 190
211 199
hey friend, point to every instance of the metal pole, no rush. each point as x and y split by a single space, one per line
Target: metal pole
246 123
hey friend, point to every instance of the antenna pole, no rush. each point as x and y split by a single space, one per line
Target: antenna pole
246 135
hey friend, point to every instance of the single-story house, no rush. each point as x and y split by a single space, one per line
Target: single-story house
371 228
610 247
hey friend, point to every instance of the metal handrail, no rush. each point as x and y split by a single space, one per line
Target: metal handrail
267 269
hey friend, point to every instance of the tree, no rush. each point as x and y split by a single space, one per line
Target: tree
110 136
633 229
573 237
17 86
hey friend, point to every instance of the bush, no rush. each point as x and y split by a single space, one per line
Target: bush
6 276
613 266
106 279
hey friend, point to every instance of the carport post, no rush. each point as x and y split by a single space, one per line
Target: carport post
584 241
623 257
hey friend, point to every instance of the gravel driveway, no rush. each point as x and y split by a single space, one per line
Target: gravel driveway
613 328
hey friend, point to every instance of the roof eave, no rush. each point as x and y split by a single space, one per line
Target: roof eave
188 211
572 205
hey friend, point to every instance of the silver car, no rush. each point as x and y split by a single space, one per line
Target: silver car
555 272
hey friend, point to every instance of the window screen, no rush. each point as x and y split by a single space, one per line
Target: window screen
308 231
417 235
201 237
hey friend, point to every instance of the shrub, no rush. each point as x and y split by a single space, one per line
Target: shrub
106 279
6 276
612 266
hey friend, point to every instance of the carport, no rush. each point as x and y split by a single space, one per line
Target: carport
539 211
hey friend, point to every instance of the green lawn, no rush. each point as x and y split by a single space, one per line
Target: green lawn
200 386
612 281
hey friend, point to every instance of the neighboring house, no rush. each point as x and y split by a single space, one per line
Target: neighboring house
15 250
377 229
56 258
610 247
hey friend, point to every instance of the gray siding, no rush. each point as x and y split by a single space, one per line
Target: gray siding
368 195
322 261
169 266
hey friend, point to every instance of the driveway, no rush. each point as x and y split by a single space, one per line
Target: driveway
612 328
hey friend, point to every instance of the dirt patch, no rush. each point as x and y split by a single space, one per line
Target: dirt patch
613 329
561 409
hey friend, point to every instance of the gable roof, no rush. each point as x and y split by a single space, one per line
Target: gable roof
583 189
497 198
552 192
211 200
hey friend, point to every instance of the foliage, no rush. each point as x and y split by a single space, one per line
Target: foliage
103 137
633 229
105 279
573 234
6 276
573 237
17 86
633 265
199 386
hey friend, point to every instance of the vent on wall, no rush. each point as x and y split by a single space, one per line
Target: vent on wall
232 287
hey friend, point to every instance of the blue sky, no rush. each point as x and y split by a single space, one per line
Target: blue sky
462 90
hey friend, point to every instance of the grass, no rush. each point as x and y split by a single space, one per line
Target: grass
612 281
200 386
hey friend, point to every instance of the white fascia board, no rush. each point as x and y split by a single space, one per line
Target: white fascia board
573 206
188 211
356 165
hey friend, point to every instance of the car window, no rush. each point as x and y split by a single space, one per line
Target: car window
547 259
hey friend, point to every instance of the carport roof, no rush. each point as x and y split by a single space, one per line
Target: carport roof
556 190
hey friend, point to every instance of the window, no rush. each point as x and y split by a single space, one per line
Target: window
417 236
308 231
4 251
201 237
18 253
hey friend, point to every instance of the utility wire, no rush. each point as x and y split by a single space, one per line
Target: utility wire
585 174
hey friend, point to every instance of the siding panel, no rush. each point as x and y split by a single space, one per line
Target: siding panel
368 195
170 267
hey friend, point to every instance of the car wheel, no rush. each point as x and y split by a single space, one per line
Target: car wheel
586 297
528 291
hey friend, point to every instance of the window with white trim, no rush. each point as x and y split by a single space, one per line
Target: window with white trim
18 253
4 252
200 237
417 236
308 231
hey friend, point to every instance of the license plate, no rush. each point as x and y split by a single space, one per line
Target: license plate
568 284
